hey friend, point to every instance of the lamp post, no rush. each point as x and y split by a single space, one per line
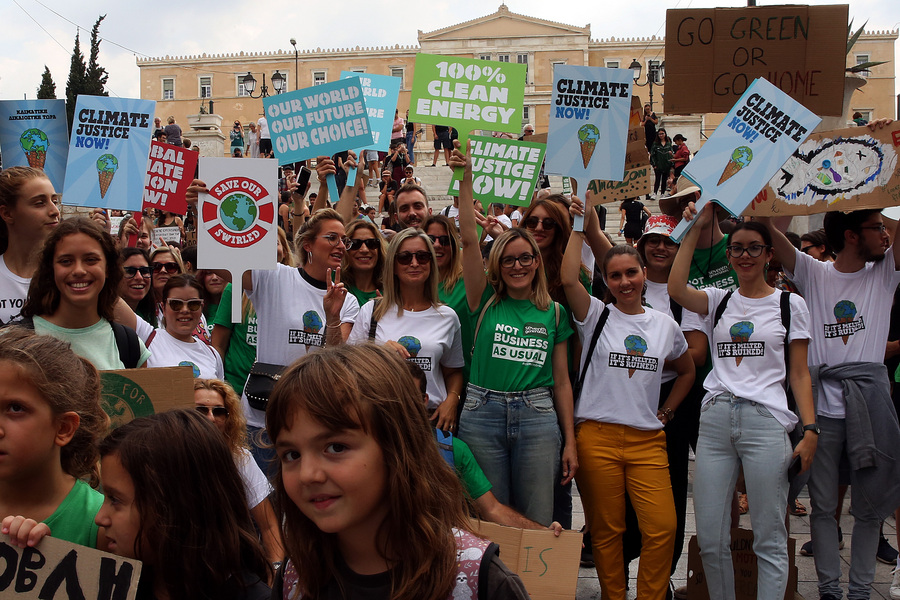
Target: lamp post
655 74
296 57
250 84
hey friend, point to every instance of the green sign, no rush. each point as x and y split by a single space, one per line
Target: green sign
467 94
503 171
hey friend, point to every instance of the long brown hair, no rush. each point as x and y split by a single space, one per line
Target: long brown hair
552 257
11 182
455 269
348 277
368 387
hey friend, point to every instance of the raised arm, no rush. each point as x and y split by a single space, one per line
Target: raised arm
783 248
578 297
473 267
679 290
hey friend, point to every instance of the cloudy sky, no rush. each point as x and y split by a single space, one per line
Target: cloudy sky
42 32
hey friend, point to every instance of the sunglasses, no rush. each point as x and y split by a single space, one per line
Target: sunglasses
219 412
508 262
177 304
130 272
422 257
356 244
443 240
547 223
170 267
754 251
656 240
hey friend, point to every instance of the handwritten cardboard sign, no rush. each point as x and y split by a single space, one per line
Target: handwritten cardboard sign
33 134
238 227
638 177
59 569
169 235
756 137
127 394
321 120
504 171
847 169
546 564
170 171
107 161
589 114
380 93
712 55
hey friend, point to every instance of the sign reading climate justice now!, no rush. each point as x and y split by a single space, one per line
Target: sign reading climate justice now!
318 121
503 171
33 134
467 94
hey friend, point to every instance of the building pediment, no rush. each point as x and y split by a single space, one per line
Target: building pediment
501 24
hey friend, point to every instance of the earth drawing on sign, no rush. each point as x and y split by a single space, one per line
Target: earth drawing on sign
238 212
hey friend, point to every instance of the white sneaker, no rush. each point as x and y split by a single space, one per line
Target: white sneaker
895 585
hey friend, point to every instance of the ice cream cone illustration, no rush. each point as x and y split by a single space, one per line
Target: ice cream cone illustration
107 165
588 136
34 143
845 312
635 345
312 323
740 158
740 332
412 345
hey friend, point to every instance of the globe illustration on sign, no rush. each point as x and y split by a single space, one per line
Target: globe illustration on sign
238 212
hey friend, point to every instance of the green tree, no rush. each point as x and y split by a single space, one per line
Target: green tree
47 91
95 75
76 83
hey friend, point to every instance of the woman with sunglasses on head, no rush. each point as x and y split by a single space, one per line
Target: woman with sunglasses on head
745 417
519 379
411 319
363 264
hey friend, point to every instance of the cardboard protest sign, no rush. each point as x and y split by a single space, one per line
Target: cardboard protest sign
237 229
713 54
546 564
380 93
170 171
847 169
504 171
589 114
108 150
169 235
127 394
756 137
638 177
59 569
33 134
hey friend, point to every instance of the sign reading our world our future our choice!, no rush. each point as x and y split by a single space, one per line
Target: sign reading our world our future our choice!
380 93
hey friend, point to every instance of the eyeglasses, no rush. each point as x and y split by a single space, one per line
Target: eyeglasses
219 412
656 240
508 262
130 272
547 223
170 267
754 251
879 228
332 238
177 304
443 240
405 258
356 244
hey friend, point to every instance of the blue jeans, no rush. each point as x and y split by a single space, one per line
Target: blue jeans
516 440
823 495
736 432
410 145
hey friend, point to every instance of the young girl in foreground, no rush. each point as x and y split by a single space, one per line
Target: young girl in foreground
370 509
51 420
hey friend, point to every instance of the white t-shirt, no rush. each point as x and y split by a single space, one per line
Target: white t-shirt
142 328
256 486
748 349
622 382
431 336
657 298
170 352
13 290
504 220
517 217
850 315
263 128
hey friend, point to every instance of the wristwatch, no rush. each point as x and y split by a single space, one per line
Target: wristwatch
814 427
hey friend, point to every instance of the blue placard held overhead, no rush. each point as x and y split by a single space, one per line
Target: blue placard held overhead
33 134
381 93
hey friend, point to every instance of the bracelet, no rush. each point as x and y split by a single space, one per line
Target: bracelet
453 392
667 413
293 214
332 326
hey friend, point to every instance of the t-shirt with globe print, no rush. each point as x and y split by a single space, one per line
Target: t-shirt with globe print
432 338
748 349
623 378
166 351
514 345
850 314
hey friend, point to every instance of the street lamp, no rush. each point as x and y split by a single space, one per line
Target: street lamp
656 74
296 57
250 84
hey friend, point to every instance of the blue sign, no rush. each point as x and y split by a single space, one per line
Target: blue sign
108 152
33 134
381 93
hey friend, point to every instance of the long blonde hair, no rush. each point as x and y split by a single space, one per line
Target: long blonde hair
392 294
235 424
455 269
540 294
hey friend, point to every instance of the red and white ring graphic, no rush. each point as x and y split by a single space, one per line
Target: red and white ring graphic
221 191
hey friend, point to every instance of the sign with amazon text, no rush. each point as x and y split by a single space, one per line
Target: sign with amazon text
589 114
238 227
503 171
108 150
33 134
751 144
381 93
59 569
321 120
467 94
170 171
713 54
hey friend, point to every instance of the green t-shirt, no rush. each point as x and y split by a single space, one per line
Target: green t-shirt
241 346
471 475
710 268
361 296
73 520
514 347
96 343
456 299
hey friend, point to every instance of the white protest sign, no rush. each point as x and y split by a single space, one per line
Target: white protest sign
169 235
